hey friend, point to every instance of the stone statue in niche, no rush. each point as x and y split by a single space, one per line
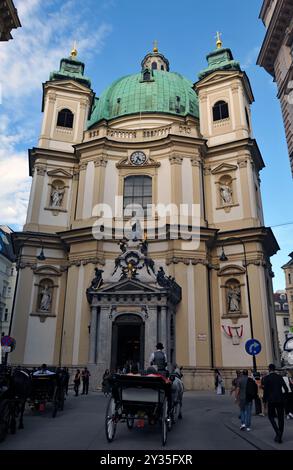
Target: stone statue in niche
234 299
46 299
226 194
57 196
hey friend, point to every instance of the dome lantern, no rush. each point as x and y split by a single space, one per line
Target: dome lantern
155 60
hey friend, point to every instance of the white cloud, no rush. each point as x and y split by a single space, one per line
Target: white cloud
44 38
47 34
251 58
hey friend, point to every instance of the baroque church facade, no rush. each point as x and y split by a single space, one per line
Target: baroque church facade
89 292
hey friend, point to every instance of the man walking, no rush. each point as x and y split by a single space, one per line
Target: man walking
273 396
246 394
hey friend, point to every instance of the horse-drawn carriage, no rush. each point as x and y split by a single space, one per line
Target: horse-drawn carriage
14 390
138 398
48 388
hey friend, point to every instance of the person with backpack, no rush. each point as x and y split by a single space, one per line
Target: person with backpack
158 359
247 392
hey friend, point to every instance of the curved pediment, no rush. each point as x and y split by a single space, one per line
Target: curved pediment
47 270
231 270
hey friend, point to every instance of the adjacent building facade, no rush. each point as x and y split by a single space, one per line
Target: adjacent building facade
282 318
7 278
288 271
8 19
276 56
88 296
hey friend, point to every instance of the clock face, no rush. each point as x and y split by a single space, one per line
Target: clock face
138 158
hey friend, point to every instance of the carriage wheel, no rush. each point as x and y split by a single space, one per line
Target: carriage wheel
4 419
110 420
130 421
164 421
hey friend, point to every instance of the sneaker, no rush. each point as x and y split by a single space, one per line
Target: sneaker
242 427
248 429
291 415
288 417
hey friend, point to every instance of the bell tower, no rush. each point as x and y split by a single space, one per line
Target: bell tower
67 98
225 97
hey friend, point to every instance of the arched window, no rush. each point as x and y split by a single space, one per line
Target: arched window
289 278
65 118
220 111
146 75
162 67
137 191
154 65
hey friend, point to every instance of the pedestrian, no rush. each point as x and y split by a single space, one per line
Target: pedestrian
247 393
219 383
273 396
158 359
258 398
85 376
235 384
289 398
106 389
77 382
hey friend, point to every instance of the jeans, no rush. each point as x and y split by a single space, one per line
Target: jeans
245 414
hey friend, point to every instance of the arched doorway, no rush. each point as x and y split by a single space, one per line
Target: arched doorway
127 341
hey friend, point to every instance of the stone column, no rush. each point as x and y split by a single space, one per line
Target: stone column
81 189
100 168
163 328
150 334
93 336
196 163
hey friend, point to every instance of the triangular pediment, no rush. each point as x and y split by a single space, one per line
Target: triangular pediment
129 285
59 172
68 85
218 76
224 168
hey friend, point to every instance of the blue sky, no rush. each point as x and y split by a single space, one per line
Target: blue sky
113 36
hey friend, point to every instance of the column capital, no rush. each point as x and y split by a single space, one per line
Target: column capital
176 159
101 161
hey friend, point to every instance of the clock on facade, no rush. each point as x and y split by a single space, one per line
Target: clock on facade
138 158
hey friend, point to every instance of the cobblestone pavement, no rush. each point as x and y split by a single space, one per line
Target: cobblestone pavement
209 422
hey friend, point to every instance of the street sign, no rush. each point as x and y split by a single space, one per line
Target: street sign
9 342
253 347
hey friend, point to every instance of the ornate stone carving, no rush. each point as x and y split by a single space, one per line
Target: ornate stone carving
41 170
242 162
176 159
83 166
101 161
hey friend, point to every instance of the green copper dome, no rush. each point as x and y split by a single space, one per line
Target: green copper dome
151 91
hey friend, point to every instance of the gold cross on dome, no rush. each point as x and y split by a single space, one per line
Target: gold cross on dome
155 48
219 42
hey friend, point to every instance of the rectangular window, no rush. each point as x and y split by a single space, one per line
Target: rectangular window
286 321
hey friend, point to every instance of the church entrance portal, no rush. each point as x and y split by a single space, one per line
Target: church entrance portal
127 341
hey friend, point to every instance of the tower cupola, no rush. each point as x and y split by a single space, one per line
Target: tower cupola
155 60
